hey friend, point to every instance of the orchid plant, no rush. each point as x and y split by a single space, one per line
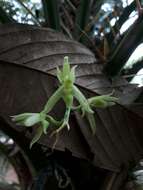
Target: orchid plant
67 91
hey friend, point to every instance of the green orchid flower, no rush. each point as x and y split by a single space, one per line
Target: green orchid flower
67 91
27 119
30 119
103 101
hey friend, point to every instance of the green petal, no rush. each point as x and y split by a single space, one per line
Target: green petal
37 136
53 100
53 121
59 75
72 74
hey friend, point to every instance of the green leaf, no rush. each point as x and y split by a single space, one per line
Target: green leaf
37 136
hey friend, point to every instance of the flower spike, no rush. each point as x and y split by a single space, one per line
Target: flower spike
67 91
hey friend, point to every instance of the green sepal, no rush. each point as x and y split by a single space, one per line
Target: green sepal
85 107
37 136
53 100
59 75
72 74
